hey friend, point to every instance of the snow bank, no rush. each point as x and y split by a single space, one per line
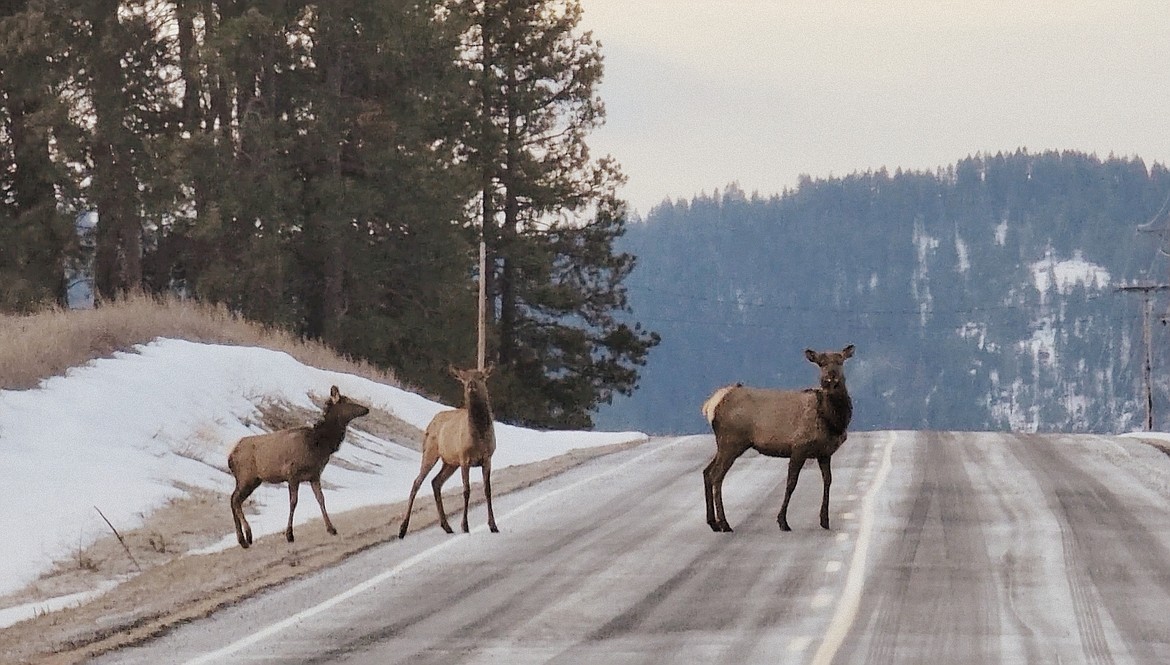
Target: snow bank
123 434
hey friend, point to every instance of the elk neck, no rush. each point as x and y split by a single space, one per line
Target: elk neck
479 408
835 409
329 431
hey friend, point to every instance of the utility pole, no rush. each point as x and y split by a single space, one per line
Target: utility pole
481 345
1147 337
1155 225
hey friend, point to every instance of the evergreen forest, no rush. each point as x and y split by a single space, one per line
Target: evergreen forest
330 169
982 296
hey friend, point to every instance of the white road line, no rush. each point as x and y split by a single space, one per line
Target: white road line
851 596
799 643
362 587
820 600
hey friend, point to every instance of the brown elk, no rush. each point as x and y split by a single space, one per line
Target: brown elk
461 438
290 456
797 424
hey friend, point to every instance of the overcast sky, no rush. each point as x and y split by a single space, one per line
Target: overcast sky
703 93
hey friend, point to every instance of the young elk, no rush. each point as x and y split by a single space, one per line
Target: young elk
797 424
461 438
290 456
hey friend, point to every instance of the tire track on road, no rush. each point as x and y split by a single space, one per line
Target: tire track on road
883 644
1115 563
1041 458
942 547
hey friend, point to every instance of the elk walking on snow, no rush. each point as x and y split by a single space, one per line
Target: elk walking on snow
461 438
797 424
290 456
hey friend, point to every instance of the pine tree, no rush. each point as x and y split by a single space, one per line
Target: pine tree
34 236
549 214
332 199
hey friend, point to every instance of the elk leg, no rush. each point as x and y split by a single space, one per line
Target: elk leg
293 487
724 458
487 493
437 485
243 529
316 485
707 494
795 464
428 463
827 475
465 472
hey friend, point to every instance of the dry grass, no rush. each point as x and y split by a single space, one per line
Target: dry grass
37 346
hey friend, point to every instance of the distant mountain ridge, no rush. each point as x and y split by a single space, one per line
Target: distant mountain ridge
980 297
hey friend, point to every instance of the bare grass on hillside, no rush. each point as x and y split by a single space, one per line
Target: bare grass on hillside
38 346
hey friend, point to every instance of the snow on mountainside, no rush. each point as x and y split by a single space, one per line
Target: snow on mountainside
979 297
126 434
1064 274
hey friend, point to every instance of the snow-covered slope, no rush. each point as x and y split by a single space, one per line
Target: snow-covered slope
126 434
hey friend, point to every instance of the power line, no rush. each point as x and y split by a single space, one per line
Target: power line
914 311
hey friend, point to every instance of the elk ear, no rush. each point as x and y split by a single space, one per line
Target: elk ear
811 355
847 351
454 372
487 371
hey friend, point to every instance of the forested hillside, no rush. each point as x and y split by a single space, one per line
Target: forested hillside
329 168
979 297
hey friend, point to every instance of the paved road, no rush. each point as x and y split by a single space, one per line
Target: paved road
945 548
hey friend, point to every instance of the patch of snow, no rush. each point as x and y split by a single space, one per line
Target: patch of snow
1163 437
964 255
124 433
1001 231
1062 275
974 330
924 246
1042 347
18 613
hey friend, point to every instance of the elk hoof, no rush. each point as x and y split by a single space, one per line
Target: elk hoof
493 528
332 531
289 535
784 526
244 544
402 531
447 528
825 524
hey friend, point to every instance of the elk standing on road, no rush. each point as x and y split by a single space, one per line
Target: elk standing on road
461 438
290 456
797 424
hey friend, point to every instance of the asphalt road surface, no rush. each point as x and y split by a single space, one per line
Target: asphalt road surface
944 548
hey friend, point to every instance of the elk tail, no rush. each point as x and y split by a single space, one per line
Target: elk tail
714 400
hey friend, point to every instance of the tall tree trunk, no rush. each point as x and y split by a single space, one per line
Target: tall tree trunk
324 213
119 234
510 228
185 13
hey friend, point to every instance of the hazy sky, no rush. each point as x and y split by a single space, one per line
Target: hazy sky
703 93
